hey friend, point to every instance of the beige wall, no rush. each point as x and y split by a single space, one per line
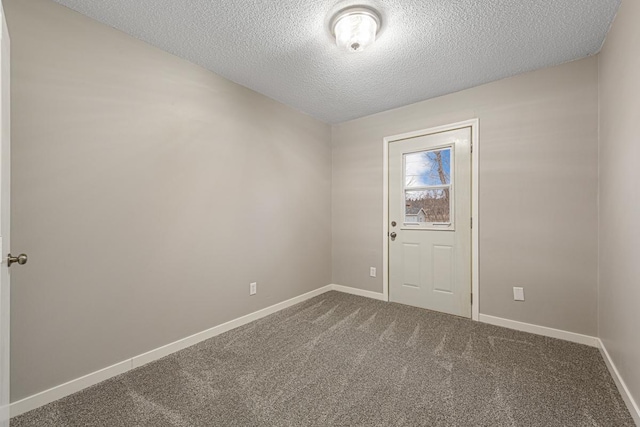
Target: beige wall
619 296
148 193
538 192
114 140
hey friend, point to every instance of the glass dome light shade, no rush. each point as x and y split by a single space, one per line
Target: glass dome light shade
356 29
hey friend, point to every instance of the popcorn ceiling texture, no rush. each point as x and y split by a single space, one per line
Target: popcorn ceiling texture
283 49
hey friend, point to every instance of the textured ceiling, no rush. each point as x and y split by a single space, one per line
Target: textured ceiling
426 48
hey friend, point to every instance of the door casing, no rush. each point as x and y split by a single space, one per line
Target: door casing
5 188
474 124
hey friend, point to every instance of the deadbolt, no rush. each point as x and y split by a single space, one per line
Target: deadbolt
20 259
393 223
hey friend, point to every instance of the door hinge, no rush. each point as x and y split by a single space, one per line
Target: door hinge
471 299
471 222
471 148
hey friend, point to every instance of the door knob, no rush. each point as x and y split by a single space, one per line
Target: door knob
393 235
20 259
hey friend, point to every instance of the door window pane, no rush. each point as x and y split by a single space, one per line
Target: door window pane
428 168
428 187
428 206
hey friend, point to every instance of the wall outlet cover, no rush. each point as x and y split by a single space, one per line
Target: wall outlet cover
253 288
372 272
518 294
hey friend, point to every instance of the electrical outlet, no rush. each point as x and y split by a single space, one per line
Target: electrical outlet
253 288
518 294
372 272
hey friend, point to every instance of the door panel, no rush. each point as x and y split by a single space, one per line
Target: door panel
430 202
411 263
443 268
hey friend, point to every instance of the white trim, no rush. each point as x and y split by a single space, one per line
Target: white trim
475 215
634 410
475 188
73 386
183 343
58 392
540 330
385 219
360 292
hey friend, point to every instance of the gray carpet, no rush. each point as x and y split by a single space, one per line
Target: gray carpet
343 360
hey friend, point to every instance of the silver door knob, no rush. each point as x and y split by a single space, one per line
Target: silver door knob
393 235
20 259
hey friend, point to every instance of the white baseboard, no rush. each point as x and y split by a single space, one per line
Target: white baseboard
163 351
73 386
622 386
539 330
359 292
58 392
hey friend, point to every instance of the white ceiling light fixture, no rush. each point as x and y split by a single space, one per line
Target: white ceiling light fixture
355 28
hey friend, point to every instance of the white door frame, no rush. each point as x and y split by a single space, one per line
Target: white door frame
474 124
5 177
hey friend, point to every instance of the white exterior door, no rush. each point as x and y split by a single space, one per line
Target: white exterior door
5 175
430 221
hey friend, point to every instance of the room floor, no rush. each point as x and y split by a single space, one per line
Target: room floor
343 360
